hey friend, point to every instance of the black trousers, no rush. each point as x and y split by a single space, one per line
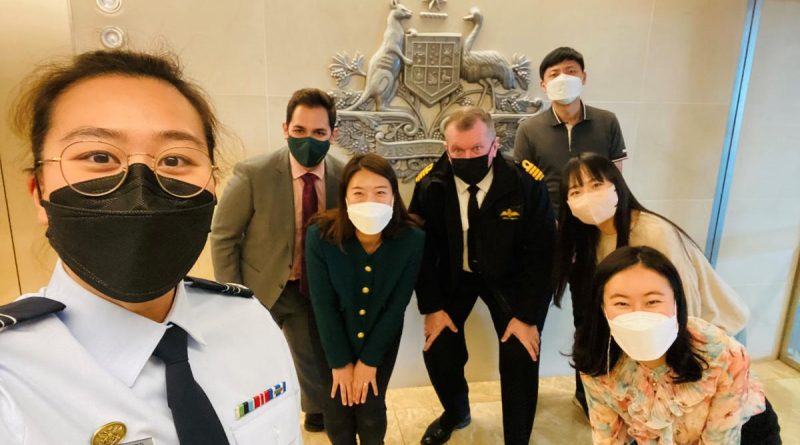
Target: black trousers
762 429
367 420
577 319
519 375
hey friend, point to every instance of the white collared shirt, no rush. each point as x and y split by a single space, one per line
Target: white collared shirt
65 375
463 202
298 170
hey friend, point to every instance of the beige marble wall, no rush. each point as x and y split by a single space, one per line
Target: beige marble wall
9 282
30 32
664 66
761 240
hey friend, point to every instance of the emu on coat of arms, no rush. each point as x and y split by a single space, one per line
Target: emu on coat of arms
414 80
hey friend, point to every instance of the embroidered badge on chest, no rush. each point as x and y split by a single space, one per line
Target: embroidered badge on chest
509 214
109 434
259 400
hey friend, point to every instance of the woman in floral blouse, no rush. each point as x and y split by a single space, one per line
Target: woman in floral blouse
655 376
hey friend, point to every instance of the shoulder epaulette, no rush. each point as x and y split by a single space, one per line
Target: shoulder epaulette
234 289
27 309
531 168
424 172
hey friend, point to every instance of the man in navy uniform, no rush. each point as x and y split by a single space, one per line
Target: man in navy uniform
489 234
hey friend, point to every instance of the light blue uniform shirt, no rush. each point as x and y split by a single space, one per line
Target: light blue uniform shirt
65 375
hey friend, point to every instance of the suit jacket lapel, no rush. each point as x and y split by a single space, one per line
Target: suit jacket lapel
452 212
502 183
455 231
284 188
332 180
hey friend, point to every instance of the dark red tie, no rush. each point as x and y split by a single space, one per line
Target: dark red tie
310 206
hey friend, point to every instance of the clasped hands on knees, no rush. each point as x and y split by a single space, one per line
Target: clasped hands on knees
353 383
528 335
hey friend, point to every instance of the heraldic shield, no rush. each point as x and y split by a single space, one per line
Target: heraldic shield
435 72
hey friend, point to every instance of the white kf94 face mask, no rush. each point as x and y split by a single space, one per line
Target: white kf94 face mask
596 206
644 336
564 89
370 217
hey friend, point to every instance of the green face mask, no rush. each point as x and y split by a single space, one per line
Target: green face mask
308 151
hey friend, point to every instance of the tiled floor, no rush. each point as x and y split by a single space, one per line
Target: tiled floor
558 421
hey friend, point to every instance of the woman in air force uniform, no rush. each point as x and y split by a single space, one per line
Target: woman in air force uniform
121 347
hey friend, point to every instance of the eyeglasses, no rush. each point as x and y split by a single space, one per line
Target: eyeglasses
95 168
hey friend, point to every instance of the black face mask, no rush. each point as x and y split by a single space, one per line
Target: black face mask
134 244
471 170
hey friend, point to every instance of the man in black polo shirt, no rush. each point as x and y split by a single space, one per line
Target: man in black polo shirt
550 138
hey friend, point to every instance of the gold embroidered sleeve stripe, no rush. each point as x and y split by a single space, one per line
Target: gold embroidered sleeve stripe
424 172
532 170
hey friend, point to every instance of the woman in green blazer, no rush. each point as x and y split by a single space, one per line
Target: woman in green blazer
362 260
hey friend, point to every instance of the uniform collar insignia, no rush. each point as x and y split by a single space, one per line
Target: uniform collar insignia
232 289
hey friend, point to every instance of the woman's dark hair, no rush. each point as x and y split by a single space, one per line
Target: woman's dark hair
590 353
335 225
34 107
576 245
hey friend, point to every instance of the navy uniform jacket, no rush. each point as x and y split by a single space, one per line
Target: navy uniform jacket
515 242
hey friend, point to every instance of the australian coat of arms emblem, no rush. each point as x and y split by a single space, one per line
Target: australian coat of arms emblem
415 79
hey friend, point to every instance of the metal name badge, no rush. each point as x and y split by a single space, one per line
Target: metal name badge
148 441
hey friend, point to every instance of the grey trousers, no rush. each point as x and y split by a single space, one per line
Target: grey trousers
292 313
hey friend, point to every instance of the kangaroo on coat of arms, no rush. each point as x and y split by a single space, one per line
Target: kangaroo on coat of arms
427 75
384 66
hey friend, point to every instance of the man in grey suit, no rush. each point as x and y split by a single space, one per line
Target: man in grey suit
258 232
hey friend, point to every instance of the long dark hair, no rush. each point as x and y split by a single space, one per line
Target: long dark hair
590 352
334 224
576 245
